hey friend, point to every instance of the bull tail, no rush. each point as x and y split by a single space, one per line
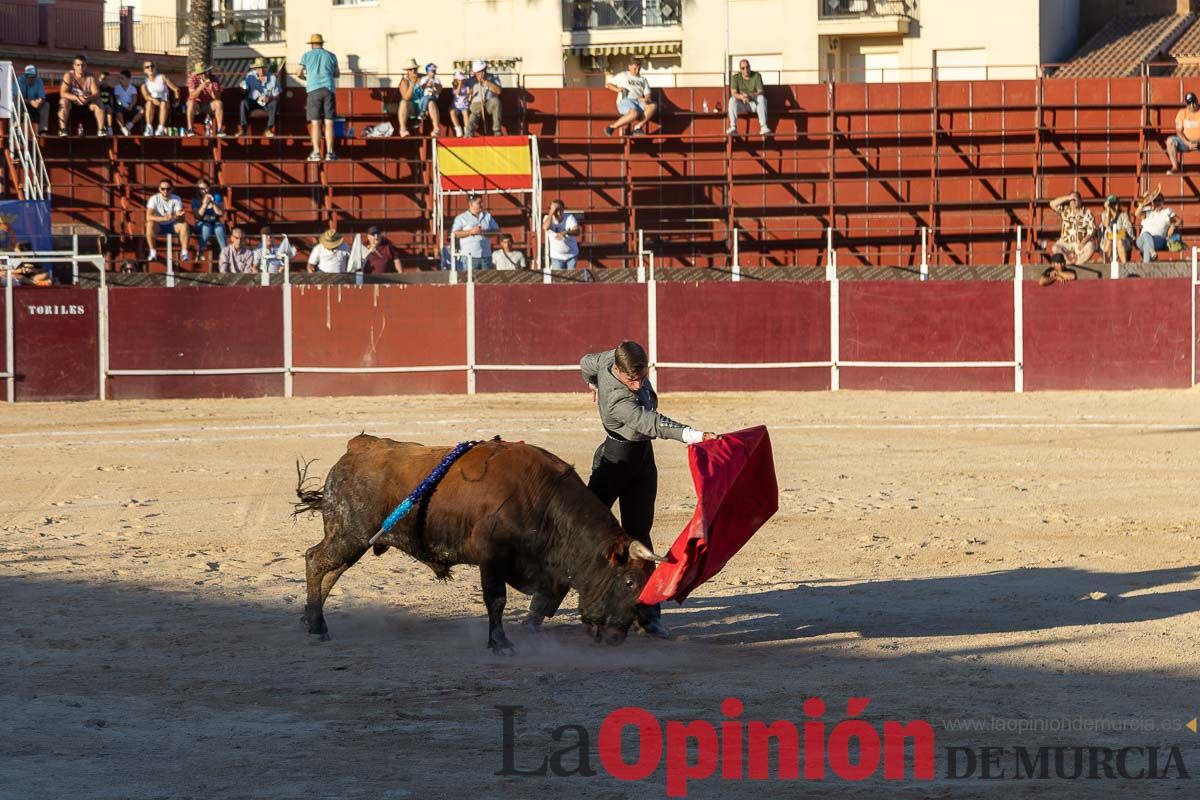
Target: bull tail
309 490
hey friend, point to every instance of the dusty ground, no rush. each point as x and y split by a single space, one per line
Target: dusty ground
933 552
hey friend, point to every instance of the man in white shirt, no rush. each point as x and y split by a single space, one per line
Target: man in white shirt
330 255
633 99
1159 223
473 229
561 230
506 257
164 216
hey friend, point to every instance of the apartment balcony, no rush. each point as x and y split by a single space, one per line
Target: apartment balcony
612 27
865 17
250 26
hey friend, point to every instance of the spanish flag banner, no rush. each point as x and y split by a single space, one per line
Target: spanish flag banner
485 163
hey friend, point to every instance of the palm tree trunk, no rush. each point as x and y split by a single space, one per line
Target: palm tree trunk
199 30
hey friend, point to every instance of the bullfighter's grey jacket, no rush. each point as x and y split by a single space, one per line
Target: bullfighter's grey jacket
624 414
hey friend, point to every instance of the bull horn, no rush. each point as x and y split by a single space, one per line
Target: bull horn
639 550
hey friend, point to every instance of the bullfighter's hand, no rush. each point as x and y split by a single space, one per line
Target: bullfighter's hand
595 394
709 436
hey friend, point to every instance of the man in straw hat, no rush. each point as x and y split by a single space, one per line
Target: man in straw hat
319 69
330 255
262 94
204 95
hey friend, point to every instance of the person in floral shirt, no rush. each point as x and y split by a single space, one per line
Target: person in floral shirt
1077 239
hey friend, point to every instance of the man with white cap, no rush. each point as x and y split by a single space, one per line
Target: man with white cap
34 92
319 70
483 89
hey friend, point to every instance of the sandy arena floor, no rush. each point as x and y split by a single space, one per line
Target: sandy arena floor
937 553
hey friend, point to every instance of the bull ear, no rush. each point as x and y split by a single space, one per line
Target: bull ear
639 550
617 553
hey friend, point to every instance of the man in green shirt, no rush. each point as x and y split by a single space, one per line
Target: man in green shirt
747 95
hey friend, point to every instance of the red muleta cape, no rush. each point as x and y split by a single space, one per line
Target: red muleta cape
736 493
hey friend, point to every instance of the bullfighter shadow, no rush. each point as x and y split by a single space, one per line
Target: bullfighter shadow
1006 601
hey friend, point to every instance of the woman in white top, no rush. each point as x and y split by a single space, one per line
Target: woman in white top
159 93
330 255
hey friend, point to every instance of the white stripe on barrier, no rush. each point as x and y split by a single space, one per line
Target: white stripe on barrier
379 370
924 364
744 365
528 367
230 371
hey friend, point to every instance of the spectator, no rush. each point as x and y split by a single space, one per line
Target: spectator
330 255
747 95
159 94
164 215
24 273
1187 132
1058 271
506 257
208 208
411 94
382 255
126 109
483 90
79 89
319 70
1159 225
34 92
204 95
262 94
1117 231
460 103
431 92
235 256
1077 239
561 230
273 255
473 229
106 102
633 99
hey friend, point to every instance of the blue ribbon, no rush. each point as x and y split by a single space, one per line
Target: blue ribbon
424 488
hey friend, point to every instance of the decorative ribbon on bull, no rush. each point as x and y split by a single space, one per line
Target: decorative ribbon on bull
423 489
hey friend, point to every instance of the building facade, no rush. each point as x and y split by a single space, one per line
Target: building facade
685 42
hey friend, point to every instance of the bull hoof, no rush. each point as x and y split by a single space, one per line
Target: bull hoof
323 636
503 650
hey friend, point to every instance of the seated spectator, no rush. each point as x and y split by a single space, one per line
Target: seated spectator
204 96
24 273
561 230
208 208
1117 231
506 257
382 256
1058 271
1159 225
460 103
159 94
410 98
34 92
473 229
483 90
262 94
236 257
746 95
273 254
127 111
633 99
1077 239
330 255
1187 132
106 102
164 215
79 89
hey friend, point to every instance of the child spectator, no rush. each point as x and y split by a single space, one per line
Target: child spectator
506 257
126 109
633 99
460 103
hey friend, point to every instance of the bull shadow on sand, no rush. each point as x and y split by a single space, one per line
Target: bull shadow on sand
1004 601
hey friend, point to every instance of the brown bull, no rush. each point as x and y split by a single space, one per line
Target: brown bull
519 513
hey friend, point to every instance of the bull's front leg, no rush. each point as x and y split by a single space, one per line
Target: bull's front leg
495 594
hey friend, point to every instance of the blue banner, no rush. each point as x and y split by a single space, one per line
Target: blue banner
25 221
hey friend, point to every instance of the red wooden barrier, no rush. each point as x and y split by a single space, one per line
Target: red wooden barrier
719 323
55 333
195 328
378 327
912 321
1129 334
551 325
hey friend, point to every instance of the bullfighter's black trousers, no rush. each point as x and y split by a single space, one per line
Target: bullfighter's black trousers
624 472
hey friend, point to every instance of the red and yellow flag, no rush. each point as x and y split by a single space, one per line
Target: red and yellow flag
485 163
